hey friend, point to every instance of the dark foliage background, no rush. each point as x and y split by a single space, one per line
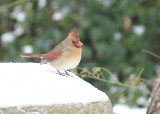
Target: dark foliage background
113 32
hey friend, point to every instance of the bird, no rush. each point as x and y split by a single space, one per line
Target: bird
65 56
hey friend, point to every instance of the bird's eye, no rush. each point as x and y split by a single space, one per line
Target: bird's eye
73 41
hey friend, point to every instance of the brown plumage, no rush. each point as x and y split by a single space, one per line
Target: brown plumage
66 55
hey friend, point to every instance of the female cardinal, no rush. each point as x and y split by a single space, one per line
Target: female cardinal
66 55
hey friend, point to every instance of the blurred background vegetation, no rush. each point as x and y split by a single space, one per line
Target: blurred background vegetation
114 33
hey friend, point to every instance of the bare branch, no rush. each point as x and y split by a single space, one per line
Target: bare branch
153 54
88 74
9 5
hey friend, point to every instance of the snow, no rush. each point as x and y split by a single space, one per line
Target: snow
18 14
58 16
7 37
27 49
106 3
29 5
117 36
42 3
139 29
23 84
19 30
142 101
124 109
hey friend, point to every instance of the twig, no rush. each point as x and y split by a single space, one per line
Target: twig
156 109
118 95
117 83
149 81
88 74
124 89
153 54
138 77
109 72
155 98
9 5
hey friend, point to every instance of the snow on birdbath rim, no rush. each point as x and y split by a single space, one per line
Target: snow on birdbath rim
23 84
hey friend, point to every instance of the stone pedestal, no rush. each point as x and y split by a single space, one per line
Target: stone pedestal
29 88
91 108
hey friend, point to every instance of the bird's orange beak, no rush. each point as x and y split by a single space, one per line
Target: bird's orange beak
79 43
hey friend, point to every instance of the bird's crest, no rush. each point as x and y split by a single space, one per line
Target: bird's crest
73 33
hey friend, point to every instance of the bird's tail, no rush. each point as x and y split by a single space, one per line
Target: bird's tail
32 55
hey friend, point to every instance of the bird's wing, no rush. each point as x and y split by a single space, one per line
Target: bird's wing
55 53
51 56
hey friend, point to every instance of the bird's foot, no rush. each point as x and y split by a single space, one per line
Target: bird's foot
64 74
68 74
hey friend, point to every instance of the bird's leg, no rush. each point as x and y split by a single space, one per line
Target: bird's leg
60 73
67 73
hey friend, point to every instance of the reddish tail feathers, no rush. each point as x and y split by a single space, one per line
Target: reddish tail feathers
32 55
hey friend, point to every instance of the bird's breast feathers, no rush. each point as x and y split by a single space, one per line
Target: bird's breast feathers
69 59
